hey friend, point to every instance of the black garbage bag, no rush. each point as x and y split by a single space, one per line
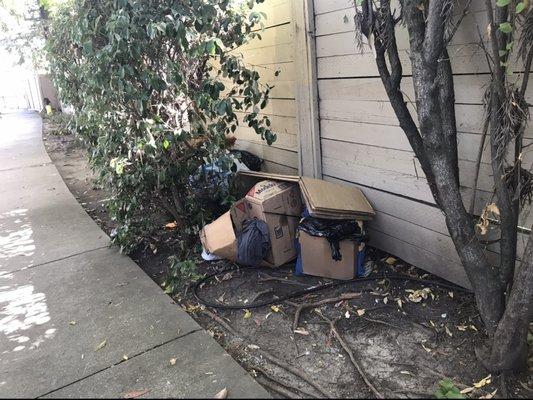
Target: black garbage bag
253 243
334 230
250 160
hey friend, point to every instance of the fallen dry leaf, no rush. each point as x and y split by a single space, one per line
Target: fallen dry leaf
489 395
134 394
482 382
101 345
247 314
301 331
72 323
125 357
172 361
385 300
171 225
361 312
462 328
347 315
274 308
467 390
399 302
390 261
222 394
450 294
448 332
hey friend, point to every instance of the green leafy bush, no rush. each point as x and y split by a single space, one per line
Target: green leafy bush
179 274
157 87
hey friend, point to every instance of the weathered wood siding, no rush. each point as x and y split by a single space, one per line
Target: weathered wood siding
362 143
275 52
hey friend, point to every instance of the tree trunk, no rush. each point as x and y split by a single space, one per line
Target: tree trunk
433 85
509 349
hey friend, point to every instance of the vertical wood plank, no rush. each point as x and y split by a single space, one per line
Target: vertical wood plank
306 89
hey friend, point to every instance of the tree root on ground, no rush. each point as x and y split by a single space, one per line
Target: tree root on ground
300 308
350 354
273 359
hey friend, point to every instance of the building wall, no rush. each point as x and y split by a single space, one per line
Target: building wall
362 143
274 52
49 91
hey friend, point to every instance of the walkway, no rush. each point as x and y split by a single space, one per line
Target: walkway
78 319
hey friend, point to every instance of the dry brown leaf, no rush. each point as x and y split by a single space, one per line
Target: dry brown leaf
275 308
134 394
301 331
482 382
462 328
171 225
448 332
483 224
125 357
72 323
361 312
172 361
247 314
467 390
101 345
390 261
385 300
222 394
489 395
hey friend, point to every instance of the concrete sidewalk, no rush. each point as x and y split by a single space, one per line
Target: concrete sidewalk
78 319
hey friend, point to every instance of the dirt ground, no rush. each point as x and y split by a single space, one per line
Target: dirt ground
404 336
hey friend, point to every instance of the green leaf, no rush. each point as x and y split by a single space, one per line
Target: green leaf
506 27
520 7
166 143
503 3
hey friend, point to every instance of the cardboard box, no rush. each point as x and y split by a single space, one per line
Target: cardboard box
279 204
239 213
322 199
315 258
276 197
219 238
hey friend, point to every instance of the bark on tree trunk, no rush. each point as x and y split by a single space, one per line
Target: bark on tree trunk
509 349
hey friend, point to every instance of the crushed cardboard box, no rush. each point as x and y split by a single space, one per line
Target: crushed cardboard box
219 238
279 205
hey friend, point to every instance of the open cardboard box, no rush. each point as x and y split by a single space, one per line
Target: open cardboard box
322 199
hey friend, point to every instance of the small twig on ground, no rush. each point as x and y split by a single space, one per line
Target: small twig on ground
273 359
261 294
378 321
351 355
303 306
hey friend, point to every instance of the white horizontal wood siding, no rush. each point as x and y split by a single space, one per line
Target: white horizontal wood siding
362 143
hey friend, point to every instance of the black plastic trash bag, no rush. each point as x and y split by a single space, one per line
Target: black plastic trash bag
253 243
334 230
250 160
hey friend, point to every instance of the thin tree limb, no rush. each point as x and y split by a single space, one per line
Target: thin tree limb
351 355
